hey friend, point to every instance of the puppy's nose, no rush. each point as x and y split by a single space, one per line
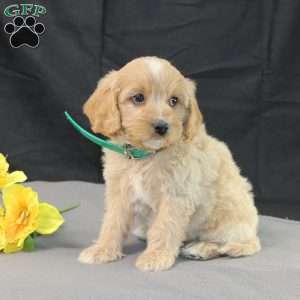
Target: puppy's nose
161 127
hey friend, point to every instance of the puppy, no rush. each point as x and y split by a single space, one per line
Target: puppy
189 191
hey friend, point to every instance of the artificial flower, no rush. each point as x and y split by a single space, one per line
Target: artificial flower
6 178
2 235
4 245
24 215
13 247
49 219
21 206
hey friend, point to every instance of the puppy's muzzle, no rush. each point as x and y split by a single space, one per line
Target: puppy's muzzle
161 127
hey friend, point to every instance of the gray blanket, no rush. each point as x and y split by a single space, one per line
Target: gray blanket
52 270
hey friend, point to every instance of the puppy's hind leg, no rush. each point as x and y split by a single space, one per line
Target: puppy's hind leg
207 250
237 249
201 250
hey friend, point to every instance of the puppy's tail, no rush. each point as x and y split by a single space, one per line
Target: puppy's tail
236 249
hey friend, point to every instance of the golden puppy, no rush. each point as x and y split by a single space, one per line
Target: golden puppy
190 190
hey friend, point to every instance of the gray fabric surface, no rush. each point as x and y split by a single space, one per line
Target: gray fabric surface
52 271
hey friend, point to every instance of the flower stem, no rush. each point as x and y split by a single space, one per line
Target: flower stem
62 211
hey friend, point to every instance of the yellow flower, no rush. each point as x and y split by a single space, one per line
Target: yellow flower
2 235
49 219
21 212
13 247
25 215
6 178
7 247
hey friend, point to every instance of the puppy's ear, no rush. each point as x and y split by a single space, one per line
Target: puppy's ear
102 107
194 118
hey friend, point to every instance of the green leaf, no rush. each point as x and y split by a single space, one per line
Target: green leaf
29 244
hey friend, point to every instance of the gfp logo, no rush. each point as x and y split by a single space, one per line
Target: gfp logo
24 30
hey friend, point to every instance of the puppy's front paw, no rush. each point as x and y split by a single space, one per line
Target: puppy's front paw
155 261
96 254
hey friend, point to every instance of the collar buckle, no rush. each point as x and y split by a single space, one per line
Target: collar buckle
128 151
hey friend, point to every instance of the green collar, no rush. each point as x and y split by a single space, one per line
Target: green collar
128 150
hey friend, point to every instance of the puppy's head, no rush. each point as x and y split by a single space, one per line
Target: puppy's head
147 102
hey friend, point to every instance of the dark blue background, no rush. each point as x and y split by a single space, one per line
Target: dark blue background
243 54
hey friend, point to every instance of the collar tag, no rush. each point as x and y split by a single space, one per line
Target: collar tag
127 151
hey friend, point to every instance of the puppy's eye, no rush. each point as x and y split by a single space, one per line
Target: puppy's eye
138 99
173 101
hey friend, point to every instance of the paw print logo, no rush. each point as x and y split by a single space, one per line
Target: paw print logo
24 32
